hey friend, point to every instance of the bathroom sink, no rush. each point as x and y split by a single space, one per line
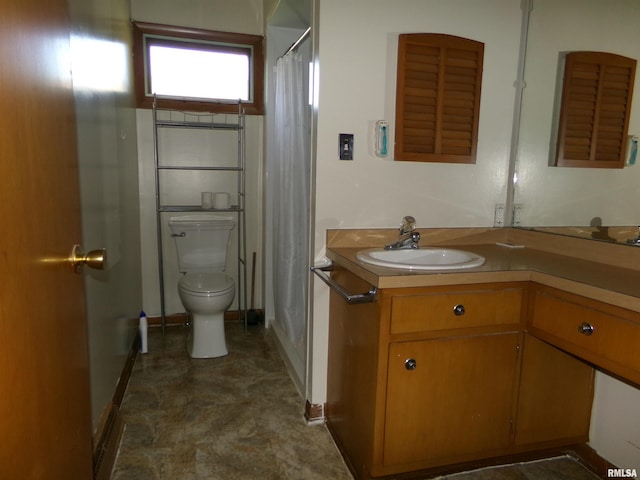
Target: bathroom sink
428 258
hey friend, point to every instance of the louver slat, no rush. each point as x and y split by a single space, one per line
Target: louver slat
438 98
420 98
595 109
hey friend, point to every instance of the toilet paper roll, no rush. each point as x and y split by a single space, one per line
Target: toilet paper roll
221 201
207 199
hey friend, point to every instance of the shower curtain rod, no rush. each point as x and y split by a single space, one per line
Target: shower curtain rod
297 43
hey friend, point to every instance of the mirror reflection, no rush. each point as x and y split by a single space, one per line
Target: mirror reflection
600 203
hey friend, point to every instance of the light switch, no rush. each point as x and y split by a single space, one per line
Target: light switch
346 146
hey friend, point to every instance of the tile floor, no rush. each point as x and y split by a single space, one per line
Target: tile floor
240 418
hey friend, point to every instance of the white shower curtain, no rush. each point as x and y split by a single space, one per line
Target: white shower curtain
291 197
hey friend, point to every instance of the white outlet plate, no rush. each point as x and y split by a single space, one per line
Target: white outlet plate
517 214
498 216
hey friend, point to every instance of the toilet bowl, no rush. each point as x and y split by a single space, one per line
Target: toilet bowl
206 296
205 290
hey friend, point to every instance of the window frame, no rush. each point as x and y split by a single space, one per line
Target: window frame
226 40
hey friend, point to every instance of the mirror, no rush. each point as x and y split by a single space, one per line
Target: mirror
599 203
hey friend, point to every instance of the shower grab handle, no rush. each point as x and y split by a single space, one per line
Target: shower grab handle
368 297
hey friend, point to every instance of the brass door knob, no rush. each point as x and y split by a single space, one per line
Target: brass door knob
96 259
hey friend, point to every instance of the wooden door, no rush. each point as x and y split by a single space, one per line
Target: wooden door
45 417
455 405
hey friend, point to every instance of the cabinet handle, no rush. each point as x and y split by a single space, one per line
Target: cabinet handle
410 364
458 310
586 328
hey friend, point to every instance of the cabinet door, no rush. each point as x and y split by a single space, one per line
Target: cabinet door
450 400
556 392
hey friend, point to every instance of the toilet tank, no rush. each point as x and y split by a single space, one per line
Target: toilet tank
201 241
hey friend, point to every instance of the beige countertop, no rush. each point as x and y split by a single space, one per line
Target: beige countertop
611 284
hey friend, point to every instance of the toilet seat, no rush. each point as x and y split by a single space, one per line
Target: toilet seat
206 284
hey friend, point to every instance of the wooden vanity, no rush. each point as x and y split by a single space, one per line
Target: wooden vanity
444 369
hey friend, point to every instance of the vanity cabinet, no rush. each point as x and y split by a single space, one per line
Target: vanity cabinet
426 377
605 335
423 377
459 377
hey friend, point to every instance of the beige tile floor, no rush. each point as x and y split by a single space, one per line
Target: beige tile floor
240 417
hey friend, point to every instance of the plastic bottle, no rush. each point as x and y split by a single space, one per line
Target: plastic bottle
143 332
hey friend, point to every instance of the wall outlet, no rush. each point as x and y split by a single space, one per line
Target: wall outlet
498 215
517 214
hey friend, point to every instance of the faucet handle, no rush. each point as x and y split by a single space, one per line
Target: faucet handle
407 225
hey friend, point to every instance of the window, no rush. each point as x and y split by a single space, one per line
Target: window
438 98
595 109
198 70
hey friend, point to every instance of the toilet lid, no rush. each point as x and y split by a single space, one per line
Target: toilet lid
218 282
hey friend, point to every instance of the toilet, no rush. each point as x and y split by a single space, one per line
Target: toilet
205 289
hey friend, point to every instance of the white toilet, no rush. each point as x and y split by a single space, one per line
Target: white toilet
205 289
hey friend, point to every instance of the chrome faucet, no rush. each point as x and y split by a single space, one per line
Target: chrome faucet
408 238
635 240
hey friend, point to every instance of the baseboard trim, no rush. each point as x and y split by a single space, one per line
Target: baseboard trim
104 455
175 319
106 439
183 318
590 459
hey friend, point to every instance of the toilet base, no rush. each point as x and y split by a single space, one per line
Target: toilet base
207 338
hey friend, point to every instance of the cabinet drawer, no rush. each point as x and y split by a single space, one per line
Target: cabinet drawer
452 310
601 334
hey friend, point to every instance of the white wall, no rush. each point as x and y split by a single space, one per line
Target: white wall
357 59
237 16
108 186
553 196
240 17
615 422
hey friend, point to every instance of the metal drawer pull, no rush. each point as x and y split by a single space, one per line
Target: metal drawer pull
586 328
410 364
368 297
458 310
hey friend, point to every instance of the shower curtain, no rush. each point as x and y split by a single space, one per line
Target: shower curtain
291 197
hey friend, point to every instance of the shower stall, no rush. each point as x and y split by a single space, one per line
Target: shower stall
288 181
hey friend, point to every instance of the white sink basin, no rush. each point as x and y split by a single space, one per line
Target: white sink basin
427 258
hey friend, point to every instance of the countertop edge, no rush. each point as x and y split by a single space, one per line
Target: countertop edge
609 284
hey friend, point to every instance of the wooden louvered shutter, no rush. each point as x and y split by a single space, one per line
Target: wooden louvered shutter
437 98
595 109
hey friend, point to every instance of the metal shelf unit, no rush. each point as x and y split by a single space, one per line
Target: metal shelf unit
234 124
